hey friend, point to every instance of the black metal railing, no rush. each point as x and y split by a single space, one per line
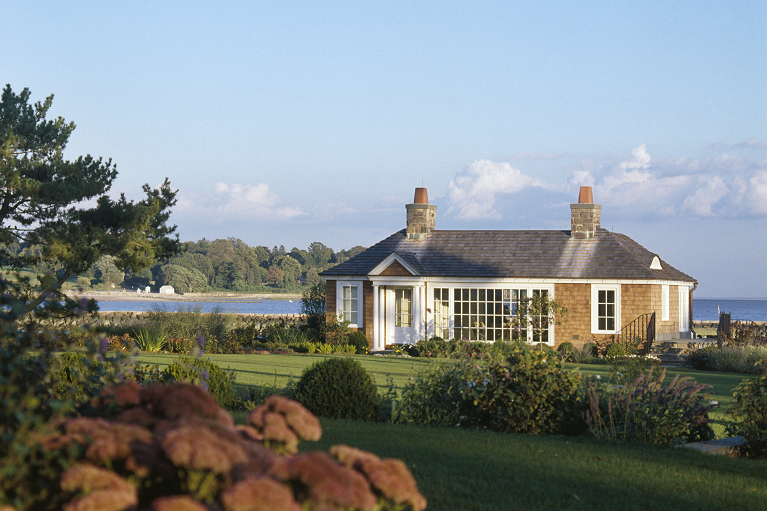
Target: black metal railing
643 329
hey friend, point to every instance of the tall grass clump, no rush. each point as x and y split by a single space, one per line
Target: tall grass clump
150 341
648 411
745 360
187 322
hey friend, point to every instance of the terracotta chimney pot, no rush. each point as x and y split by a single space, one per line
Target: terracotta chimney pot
421 196
585 197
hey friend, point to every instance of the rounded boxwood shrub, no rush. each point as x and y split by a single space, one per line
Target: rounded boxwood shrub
615 350
358 340
219 381
338 388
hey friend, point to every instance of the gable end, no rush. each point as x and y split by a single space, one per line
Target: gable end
395 269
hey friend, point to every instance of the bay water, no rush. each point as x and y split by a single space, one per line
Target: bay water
704 309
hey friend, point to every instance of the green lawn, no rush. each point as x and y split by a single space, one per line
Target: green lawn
278 370
460 469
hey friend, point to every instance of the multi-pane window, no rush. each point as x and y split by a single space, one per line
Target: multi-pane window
606 309
402 313
350 303
488 314
442 312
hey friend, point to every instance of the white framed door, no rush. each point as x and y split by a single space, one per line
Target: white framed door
399 315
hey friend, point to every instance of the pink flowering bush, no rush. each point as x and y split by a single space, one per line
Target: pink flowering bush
172 447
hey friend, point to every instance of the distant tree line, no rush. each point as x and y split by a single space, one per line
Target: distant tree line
225 265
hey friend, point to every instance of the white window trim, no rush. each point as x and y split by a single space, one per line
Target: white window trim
665 299
529 286
595 288
340 300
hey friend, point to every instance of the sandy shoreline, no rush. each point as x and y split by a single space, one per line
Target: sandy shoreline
126 296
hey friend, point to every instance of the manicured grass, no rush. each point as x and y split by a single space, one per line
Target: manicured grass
481 470
460 469
279 370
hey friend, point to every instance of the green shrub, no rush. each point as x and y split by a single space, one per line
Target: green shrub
217 381
698 359
648 411
590 349
70 373
324 348
750 414
305 347
434 347
181 346
338 388
336 330
566 347
528 393
359 341
37 389
227 345
615 350
244 336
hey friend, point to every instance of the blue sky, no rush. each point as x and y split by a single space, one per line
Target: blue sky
284 123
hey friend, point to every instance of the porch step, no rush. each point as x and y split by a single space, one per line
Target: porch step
673 352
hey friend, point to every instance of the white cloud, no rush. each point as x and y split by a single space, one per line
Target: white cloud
474 191
706 196
641 159
236 202
721 185
756 193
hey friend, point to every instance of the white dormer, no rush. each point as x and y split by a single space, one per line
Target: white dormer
655 265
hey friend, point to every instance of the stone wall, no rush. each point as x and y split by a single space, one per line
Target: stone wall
136 319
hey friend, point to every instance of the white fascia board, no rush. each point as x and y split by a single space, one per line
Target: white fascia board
493 281
380 267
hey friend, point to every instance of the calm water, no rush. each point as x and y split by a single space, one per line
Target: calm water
705 309
229 306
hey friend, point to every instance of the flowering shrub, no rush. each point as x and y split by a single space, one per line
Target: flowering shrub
648 411
170 447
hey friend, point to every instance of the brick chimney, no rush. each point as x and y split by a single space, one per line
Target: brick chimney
585 217
421 216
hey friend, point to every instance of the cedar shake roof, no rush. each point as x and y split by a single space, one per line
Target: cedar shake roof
515 254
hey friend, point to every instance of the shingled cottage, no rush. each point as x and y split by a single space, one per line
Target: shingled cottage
422 282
